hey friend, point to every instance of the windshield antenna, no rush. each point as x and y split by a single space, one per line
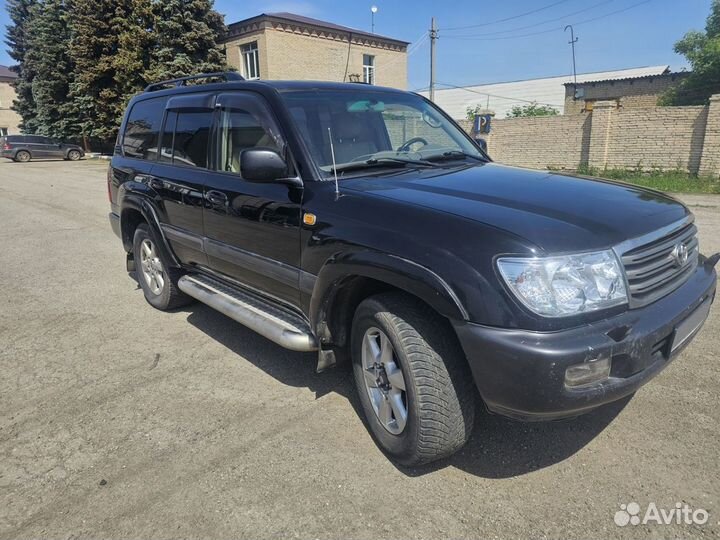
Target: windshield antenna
332 153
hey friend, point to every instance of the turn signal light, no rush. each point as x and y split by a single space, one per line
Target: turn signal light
309 219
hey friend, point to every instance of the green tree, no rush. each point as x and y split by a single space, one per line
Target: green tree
532 109
16 39
47 59
702 50
186 39
111 43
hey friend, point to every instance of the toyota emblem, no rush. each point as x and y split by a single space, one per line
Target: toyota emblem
680 254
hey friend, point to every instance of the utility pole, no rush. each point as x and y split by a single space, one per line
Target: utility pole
433 39
572 42
373 11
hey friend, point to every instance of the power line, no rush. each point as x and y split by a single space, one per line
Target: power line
534 25
585 21
509 18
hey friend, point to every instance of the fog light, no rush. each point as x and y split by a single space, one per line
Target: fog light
588 372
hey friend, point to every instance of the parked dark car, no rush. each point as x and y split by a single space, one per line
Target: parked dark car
24 148
363 223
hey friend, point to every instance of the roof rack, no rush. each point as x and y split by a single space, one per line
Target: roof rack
227 75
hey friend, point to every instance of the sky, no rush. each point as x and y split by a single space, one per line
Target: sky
486 41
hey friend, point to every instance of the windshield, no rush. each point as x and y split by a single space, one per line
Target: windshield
375 128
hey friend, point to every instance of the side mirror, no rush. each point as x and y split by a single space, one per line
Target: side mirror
482 143
264 165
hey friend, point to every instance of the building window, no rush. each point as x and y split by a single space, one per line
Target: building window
3 131
250 60
368 69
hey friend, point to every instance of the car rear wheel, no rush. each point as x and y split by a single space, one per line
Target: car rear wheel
74 155
23 156
157 279
413 381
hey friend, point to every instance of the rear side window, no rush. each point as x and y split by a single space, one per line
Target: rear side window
140 139
190 139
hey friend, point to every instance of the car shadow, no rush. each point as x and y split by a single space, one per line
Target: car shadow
502 448
499 447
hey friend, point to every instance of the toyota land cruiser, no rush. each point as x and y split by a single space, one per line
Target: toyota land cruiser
363 223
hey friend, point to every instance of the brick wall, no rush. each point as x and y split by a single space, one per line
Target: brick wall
629 93
287 53
686 138
9 119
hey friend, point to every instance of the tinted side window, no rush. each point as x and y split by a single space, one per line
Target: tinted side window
192 135
166 145
140 139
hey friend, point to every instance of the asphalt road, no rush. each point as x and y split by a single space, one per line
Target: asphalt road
120 421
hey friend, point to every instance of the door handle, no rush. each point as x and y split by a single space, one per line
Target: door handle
216 197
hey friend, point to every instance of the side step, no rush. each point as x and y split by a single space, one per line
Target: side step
283 327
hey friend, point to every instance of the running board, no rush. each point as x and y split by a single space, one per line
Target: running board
276 324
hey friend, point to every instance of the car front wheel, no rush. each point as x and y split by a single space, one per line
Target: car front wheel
74 155
413 381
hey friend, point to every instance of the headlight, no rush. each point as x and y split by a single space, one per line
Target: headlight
566 285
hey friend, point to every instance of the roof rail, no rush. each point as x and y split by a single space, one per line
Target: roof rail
227 75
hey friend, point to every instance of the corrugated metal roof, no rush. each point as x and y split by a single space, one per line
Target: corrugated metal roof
502 97
668 74
6 73
300 19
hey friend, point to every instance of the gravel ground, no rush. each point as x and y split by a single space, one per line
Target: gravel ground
120 421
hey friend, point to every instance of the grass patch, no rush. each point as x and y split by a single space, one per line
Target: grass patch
672 181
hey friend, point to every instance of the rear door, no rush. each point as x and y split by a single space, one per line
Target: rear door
252 230
180 172
35 145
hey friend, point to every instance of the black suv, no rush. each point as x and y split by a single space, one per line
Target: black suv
23 148
363 223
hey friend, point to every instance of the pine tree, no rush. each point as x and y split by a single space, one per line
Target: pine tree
16 39
47 58
110 47
187 34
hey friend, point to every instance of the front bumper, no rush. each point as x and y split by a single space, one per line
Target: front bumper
521 373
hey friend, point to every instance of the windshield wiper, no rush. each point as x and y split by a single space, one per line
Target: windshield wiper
381 162
454 154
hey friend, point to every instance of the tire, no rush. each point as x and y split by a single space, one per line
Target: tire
23 156
74 155
156 278
439 395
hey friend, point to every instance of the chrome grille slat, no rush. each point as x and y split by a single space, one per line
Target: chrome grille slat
665 260
650 269
643 253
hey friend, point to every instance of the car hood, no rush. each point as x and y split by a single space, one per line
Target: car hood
556 212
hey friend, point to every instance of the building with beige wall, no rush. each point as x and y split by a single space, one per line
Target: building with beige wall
289 46
631 92
9 119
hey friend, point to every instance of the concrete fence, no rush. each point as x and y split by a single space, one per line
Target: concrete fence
685 138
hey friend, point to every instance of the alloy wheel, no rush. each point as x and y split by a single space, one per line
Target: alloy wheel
384 381
151 266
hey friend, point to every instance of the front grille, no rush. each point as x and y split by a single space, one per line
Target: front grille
652 271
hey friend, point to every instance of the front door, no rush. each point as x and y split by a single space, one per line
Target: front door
252 230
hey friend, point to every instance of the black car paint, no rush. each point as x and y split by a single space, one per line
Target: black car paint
435 233
45 148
